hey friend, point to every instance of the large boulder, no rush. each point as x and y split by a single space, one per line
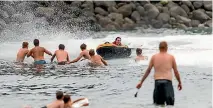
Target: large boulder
112 9
188 3
116 17
141 10
103 21
9 9
165 10
195 23
164 17
101 11
200 15
177 10
128 26
126 10
151 11
144 2
186 8
157 23
105 3
171 4
76 3
208 23
198 4
209 13
127 20
109 27
88 6
136 16
185 20
207 5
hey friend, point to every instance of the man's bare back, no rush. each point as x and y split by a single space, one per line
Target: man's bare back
96 60
21 54
163 65
62 55
38 53
56 104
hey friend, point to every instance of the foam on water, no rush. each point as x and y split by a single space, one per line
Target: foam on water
189 50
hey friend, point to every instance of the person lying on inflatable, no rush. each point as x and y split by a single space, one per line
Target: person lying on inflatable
117 42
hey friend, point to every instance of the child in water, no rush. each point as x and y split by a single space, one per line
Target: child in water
139 55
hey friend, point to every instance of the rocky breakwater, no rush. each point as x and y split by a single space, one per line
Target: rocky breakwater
109 15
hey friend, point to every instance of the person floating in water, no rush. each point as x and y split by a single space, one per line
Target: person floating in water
69 104
163 63
96 60
84 53
61 55
22 52
139 55
58 103
38 54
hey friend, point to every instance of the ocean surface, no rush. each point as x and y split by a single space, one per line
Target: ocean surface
113 86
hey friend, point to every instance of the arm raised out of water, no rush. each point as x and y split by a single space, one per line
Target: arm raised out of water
53 57
104 62
29 53
47 52
177 75
78 58
146 73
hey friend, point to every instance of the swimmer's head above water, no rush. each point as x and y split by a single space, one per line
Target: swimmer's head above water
59 95
36 42
83 46
91 52
25 45
163 46
138 51
61 47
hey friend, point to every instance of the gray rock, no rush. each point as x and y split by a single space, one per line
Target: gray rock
209 13
172 20
144 2
45 11
199 15
177 10
141 10
110 27
88 5
126 10
9 9
201 25
198 4
187 2
116 17
112 9
98 16
165 10
208 23
164 17
171 4
128 21
103 21
151 11
128 26
160 8
120 4
166 26
105 3
157 23
133 6
185 20
207 5
182 26
101 11
76 3
135 16
185 7
195 23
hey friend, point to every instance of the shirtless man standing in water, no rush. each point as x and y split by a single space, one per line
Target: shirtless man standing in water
38 53
163 63
96 60
61 55
22 52
84 53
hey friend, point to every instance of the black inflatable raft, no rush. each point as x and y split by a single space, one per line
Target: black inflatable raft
112 52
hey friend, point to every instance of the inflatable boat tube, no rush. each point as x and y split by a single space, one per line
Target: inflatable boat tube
109 51
80 103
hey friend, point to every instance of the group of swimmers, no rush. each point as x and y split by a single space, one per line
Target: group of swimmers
62 56
162 62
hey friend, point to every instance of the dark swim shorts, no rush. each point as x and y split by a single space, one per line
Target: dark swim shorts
62 63
39 62
163 92
44 107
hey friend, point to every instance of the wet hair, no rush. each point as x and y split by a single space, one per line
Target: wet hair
138 51
61 46
59 95
24 44
83 46
117 38
66 98
91 52
36 42
163 45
